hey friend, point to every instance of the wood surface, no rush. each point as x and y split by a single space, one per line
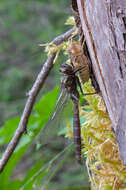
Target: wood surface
104 26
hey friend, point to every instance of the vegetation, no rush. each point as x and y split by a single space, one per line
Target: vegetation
106 170
35 165
24 25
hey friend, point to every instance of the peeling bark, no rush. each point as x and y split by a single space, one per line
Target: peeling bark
104 27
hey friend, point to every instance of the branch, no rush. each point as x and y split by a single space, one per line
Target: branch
48 65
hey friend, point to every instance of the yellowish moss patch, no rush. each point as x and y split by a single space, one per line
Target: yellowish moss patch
106 171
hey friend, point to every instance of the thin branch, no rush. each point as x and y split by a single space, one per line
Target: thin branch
48 65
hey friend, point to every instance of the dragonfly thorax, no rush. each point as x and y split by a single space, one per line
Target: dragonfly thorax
68 81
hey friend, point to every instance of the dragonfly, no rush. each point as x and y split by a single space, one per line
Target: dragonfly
69 88
70 81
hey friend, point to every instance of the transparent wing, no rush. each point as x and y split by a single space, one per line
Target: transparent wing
61 102
62 112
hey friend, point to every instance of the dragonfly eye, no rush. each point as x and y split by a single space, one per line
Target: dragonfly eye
66 69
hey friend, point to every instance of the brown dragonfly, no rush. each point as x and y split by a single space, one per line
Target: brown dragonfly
70 82
69 88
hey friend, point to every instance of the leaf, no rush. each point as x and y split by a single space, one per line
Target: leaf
32 175
34 127
46 105
7 131
5 175
15 184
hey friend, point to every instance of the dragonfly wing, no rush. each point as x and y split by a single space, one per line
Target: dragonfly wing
61 102
57 121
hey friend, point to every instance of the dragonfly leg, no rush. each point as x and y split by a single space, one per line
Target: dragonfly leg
78 69
79 84
74 97
85 94
72 64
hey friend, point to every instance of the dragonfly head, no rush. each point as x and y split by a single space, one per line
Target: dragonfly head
66 69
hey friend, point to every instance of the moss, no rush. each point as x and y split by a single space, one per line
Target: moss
106 170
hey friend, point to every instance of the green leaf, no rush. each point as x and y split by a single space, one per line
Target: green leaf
46 105
32 175
7 131
15 184
5 175
34 126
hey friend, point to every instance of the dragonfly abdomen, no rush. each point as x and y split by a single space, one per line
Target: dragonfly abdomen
77 132
70 82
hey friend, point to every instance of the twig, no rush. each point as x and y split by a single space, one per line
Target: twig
48 65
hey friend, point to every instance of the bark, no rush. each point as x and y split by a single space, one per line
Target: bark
104 26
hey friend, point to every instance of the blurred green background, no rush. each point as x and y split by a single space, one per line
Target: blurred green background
23 25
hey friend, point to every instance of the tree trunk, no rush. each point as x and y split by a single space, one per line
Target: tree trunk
104 26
